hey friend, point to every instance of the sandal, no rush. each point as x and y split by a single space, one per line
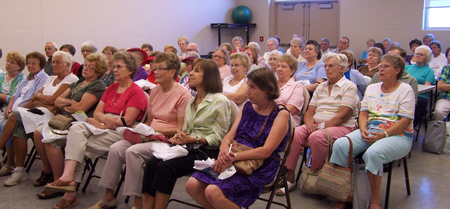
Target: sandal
49 194
66 204
43 179
61 186
341 205
107 205
282 191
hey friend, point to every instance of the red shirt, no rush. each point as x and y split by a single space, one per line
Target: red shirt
75 67
133 96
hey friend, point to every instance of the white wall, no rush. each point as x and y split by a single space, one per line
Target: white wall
26 25
399 20
260 16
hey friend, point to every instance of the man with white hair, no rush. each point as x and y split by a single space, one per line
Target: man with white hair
50 48
192 47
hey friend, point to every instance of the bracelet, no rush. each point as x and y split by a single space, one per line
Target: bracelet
103 125
386 134
198 140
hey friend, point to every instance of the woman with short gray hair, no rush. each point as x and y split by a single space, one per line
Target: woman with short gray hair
373 61
296 49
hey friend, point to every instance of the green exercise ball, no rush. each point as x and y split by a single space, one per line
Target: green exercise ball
241 14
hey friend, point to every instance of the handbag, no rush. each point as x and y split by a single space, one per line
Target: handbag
60 122
308 178
435 137
337 181
248 166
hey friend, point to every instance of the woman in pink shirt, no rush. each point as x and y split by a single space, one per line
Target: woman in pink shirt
221 58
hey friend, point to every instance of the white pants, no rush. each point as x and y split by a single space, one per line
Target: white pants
441 110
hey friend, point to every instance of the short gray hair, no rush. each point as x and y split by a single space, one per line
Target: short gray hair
341 59
274 40
243 57
297 41
277 53
89 45
256 45
53 43
328 41
237 38
65 57
428 51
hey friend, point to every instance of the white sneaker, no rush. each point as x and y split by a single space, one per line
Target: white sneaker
18 175
6 170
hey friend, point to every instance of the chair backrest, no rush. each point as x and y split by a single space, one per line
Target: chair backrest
234 112
291 130
144 117
306 99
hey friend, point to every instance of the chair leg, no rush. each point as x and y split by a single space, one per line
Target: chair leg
405 168
33 157
122 178
91 173
127 199
305 154
388 187
27 161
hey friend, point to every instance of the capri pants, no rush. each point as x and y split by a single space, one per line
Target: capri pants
380 152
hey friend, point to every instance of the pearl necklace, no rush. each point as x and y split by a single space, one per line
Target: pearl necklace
163 96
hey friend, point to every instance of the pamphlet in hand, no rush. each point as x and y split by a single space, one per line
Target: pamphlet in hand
80 116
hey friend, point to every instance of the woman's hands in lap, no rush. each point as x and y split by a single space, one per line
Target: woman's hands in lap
224 159
371 137
180 138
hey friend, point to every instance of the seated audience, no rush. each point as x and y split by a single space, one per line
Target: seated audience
182 41
82 95
227 46
261 61
69 48
439 60
206 121
413 44
406 77
170 48
386 130
296 49
221 58
18 132
253 56
108 76
442 106
141 55
343 44
148 48
291 92
36 78
334 106
238 44
427 39
189 61
387 42
381 47
240 190
9 80
123 99
235 85
313 69
354 75
166 110
87 48
151 66
363 58
273 59
372 64
325 45
50 48
424 76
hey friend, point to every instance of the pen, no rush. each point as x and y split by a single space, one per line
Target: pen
229 150
118 119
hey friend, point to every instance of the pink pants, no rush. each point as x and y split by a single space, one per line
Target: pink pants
317 142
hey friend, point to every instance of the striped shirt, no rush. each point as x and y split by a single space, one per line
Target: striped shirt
343 93
385 109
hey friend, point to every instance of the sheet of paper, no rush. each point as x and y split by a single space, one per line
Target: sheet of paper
80 116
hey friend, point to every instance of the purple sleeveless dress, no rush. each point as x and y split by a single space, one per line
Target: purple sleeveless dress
245 189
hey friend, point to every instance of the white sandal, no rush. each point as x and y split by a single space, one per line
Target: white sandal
282 191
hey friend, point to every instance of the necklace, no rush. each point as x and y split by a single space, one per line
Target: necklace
113 102
163 96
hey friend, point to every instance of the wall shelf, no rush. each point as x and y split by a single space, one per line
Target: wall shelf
246 26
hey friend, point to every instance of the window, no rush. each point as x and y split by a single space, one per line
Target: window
435 15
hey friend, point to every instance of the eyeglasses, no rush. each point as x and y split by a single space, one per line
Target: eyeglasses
235 65
345 43
88 67
386 66
118 66
419 54
217 56
56 63
48 49
85 50
11 62
161 68
31 63
283 67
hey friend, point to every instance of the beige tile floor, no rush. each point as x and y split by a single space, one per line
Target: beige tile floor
429 177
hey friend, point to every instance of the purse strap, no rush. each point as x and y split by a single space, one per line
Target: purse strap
350 153
330 144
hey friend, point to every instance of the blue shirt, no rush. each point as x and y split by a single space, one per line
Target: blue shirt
364 55
312 74
422 74
39 81
281 50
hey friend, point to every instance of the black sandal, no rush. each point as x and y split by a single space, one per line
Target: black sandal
48 194
43 179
